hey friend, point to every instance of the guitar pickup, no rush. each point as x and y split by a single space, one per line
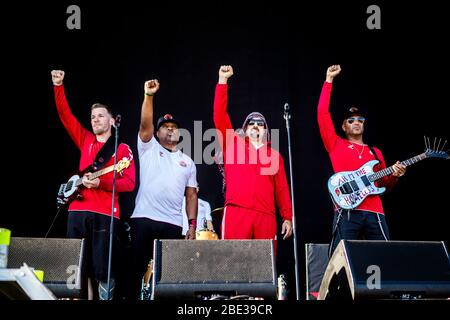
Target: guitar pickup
354 185
365 180
61 189
345 188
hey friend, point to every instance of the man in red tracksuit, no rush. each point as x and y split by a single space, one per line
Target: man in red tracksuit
254 174
90 216
349 154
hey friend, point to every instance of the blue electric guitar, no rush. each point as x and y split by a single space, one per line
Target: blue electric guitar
349 188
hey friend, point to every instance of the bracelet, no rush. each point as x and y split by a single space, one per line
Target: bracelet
149 94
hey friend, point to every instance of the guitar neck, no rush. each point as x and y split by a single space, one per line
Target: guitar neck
390 170
96 174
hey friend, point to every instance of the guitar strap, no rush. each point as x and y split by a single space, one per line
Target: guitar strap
104 154
374 153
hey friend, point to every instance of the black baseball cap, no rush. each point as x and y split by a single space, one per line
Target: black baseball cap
167 118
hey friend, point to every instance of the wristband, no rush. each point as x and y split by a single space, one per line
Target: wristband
192 223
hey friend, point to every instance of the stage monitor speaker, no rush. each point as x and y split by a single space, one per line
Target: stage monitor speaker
387 270
227 268
62 260
316 255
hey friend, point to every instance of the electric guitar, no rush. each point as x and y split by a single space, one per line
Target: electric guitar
71 189
349 188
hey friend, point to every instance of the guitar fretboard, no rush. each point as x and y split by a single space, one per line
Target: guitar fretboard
95 175
385 172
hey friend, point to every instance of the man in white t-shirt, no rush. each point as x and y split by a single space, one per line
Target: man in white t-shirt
167 175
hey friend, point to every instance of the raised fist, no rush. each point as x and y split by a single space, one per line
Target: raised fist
151 87
225 72
57 77
332 72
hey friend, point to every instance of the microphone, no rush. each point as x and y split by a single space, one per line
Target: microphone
117 120
286 111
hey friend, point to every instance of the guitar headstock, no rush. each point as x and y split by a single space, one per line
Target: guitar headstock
122 164
436 151
437 154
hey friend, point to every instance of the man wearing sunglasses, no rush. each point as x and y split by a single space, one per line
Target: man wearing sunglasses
256 184
366 220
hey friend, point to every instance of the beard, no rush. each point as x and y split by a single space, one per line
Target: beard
99 130
254 134
171 139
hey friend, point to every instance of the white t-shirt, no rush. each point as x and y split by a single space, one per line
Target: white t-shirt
164 176
204 213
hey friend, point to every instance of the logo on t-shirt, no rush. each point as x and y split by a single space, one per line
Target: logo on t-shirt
161 154
183 164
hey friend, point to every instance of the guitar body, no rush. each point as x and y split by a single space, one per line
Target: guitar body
68 191
70 186
349 188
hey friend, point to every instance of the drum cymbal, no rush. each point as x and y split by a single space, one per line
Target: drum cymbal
206 235
216 210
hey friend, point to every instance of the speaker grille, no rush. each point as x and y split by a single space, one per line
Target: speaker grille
53 256
62 261
215 261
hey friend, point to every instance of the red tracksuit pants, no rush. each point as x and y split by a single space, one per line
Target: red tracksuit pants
240 223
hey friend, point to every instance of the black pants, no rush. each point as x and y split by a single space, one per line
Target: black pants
143 233
357 225
94 227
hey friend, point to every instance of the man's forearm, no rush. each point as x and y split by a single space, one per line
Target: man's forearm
192 207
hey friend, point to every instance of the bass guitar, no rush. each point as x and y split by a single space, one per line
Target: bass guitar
71 189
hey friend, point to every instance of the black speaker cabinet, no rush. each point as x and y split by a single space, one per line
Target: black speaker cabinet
387 270
316 255
195 269
62 261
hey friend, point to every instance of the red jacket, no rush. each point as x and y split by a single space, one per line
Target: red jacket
255 179
345 156
95 200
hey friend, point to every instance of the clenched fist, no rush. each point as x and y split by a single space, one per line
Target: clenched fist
151 87
57 77
225 72
332 72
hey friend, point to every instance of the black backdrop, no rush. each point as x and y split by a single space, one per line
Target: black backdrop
279 51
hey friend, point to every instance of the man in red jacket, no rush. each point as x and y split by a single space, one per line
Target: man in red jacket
366 220
255 178
90 215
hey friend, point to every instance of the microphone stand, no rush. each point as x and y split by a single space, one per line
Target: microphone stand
111 226
287 116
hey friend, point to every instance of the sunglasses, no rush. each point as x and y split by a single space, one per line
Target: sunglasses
257 122
353 119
